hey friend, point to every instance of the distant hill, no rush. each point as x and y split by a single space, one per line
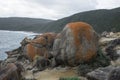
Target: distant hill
101 20
20 23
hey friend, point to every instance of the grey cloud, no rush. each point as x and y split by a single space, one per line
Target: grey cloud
108 4
67 7
51 9
62 4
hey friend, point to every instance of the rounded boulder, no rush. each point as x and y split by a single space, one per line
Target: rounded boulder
77 43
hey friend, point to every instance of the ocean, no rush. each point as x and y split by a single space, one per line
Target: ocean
10 40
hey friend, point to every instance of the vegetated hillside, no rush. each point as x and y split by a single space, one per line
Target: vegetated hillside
20 23
101 20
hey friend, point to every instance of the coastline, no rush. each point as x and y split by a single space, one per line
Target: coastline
15 58
13 43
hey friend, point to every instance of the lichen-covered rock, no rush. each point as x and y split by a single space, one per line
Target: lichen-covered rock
50 37
41 46
32 51
77 43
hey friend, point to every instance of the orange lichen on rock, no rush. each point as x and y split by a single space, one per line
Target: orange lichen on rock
32 51
40 46
80 29
83 38
40 40
49 36
78 42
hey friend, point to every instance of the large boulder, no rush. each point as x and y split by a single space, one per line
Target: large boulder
40 46
77 43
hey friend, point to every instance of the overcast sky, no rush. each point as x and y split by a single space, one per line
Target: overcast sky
51 9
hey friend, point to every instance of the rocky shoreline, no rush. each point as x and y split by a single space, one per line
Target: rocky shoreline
76 51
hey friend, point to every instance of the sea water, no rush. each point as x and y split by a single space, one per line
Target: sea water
10 40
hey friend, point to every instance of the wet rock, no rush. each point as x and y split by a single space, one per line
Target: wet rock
77 43
10 72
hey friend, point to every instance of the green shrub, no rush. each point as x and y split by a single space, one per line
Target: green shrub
69 78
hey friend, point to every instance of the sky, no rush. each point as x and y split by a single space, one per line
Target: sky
52 9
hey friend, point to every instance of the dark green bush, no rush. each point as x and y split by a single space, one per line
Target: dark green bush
69 78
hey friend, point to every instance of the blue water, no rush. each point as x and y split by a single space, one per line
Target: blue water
10 40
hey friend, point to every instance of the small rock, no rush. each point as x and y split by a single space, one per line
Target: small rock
11 72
